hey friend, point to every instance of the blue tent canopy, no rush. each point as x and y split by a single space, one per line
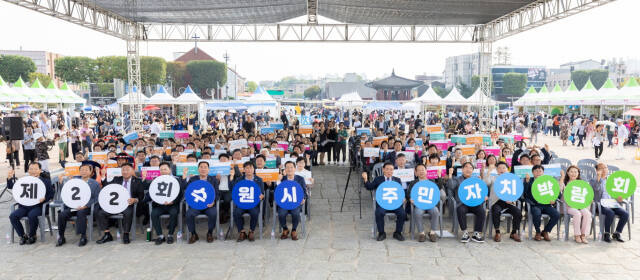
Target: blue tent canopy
225 106
260 90
383 106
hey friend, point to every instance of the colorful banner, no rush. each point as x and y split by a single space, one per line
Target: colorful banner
360 131
99 157
166 134
474 139
433 128
522 170
267 175
181 135
436 136
271 162
267 130
238 144
442 145
284 145
277 125
217 167
305 129
72 169
553 170
405 175
467 150
371 152
378 140
130 137
459 139
151 172
492 150
433 171
192 168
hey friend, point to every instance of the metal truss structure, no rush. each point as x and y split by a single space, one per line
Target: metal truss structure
373 21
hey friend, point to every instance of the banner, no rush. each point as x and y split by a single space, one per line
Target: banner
492 150
371 152
151 171
553 170
411 156
459 139
467 150
72 169
378 140
436 136
419 142
130 137
522 170
277 125
166 134
181 135
268 175
217 167
237 144
277 151
113 172
271 162
192 168
267 130
405 175
99 157
486 140
305 129
442 145
360 131
284 145
474 139
433 128
432 172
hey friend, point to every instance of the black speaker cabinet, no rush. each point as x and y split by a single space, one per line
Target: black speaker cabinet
13 128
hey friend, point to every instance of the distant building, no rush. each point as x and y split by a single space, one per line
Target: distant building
334 90
45 61
235 83
462 68
394 87
536 77
589 64
428 79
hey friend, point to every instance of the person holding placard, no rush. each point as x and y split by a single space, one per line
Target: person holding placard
31 212
136 189
537 208
254 212
452 190
599 185
421 173
501 206
169 207
210 211
290 175
86 171
581 217
387 176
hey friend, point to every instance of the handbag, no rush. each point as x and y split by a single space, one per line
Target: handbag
571 138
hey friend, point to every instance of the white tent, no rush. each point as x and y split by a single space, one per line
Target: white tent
589 95
430 97
569 97
67 92
126 99
6 93
526 100
188 97
24 93
350 100
608 94
630 92
161 97
45 96
455 98
474 99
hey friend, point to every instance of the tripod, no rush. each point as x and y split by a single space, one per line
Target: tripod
355 165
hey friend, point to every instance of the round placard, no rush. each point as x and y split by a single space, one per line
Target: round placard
75 193
246 194
425 195
390 195
164 189
113 198
29 190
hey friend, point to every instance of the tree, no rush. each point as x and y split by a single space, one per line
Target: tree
206 74
111 67
13 67
312 92
153 70
251 86
442 91
177 74
580 78
44 78
598 77
464 89
76 69
475 83
514 84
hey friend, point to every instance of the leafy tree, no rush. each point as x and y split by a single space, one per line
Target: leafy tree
207 74
251 86
442 91
153 70
580 78
514 84
13 67
44 78
598 77
475 83
112 67
312 92
464 89
177 73
76 69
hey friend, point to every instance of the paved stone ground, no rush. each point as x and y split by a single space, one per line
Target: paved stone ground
338 246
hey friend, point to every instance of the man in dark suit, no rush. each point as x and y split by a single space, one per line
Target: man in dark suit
32 212
253 212
387 175
290 175
136 188
170 208
210 211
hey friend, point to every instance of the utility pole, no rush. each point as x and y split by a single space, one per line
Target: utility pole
226 64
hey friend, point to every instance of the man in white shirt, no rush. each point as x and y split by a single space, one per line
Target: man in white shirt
623 134
155 127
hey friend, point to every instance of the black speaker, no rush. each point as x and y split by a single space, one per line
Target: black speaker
13 128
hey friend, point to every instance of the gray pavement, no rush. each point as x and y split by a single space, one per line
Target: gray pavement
338 246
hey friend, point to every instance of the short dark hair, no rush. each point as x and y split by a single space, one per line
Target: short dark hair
387 163
467 163
502 163
289 162
165 163
248 163
205 162
126 164
262 157
537 166
419 164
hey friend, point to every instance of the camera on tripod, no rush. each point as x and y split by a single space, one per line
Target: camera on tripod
355 154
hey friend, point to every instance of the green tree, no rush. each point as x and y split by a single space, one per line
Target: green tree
177 74
76 69
44 78
514 84
475 83
13 67
111 67
442 91
153 70
312 92
599 77
464 89
251 86
206 74
580 78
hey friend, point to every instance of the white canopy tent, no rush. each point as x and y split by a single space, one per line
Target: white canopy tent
161 97
455 98
429 97
350 100
66 91
188 97
629 94
474 99
25 94
126 99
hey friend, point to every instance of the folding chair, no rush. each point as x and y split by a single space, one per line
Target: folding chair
601 220
166 216
57 200
303 218
375 228
89 221
232 221
564 163
566 217
415 219
587 172
454 208
203 216
40 222
120 218
588 162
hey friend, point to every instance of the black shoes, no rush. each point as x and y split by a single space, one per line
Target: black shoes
83 241
382 236
170 239
160 240
607 238
105 238
31 240
61 241
398 236
616 237
23 240
125 238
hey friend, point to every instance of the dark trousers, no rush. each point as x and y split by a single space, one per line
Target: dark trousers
330 149
610 213
339 148
599 149
295 217
580 138
160 210
14 159
478 222
103 219
81 221
497 210
401 217
536 214
211 213
86 146
75 148
29 157
225 205
239 220
31 213
610 138
556 130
